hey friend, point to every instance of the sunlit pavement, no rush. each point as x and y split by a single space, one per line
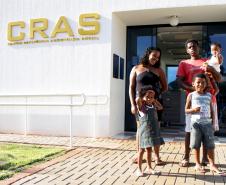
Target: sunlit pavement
109 161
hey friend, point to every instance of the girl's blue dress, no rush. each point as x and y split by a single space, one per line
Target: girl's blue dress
149 130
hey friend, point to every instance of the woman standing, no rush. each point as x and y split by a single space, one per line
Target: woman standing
148 72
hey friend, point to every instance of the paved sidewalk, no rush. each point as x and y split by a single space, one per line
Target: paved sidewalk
108 161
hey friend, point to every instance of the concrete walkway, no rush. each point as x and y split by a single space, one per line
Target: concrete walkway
108 161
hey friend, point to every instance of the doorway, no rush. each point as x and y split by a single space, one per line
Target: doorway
171 41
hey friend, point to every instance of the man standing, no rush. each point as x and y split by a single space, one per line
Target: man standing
186 70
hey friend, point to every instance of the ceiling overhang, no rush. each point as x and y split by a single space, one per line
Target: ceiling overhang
195 14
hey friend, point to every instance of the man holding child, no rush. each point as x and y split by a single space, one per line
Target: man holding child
186 71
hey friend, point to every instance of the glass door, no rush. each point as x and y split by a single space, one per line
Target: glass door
138 40
171 72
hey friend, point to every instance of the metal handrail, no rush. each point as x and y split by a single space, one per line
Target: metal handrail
71 104
37 95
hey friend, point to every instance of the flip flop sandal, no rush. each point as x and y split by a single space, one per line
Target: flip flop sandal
160 162
139 173
199 169
219 172
135 160
184 163
152 172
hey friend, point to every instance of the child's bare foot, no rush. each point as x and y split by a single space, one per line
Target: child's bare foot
139 173
151 171
199 169
135 160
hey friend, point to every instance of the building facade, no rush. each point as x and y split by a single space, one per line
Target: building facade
65 64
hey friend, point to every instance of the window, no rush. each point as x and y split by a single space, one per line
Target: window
118 67
115 66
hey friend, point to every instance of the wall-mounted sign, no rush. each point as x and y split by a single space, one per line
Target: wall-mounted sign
88 29
118 67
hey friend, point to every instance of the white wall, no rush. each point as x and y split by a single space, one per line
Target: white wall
117 95
55 68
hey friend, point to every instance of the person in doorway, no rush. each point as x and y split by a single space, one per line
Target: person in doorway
199 106
186 70
148 131
148 72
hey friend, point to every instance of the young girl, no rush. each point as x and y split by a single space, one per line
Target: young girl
199 105
148 129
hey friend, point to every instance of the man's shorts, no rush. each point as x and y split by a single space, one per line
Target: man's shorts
187 122
202 132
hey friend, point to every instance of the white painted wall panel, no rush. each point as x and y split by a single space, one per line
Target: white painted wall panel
117 97
12 120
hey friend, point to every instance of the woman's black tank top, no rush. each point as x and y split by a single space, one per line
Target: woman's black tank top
148 78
